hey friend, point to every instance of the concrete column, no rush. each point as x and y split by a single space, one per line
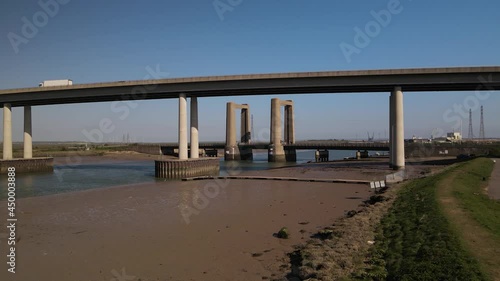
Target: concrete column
289 134
183 142
399 137
391 130
231 151
195 146
246 153
248 125
291 128
28 142
286 136
245 130
7 131
243 125
230 125
275 122
289 124
276 151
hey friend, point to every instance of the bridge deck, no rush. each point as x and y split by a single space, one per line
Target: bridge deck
418 79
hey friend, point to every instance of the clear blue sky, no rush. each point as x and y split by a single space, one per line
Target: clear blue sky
92 41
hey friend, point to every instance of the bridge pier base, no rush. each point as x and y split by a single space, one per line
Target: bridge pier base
246 154
31 165
290 155
235 153
179 169
232 153
322 155
276 153
281 154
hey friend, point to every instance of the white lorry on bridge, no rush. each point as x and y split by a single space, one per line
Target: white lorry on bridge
52 83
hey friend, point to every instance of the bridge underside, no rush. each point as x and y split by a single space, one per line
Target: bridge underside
368 81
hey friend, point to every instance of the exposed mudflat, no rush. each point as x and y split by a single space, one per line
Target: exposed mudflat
172 230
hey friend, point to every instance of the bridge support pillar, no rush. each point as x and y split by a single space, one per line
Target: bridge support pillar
246 153
397 126
245 131
195 146
27 164
7 131
232 151
183 144
391 131
28 142
289 124
277 151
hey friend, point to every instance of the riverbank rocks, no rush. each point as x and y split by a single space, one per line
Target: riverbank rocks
283 233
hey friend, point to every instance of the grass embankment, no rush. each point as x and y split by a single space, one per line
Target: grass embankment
468 187
419 240
473 214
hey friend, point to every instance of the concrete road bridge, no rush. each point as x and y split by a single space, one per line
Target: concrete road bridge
393 81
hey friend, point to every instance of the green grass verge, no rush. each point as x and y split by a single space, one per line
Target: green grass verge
468 189
414 241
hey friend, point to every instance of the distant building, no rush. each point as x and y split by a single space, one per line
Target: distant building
454 136
414 139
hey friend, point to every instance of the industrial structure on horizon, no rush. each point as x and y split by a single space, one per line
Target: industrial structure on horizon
481 126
